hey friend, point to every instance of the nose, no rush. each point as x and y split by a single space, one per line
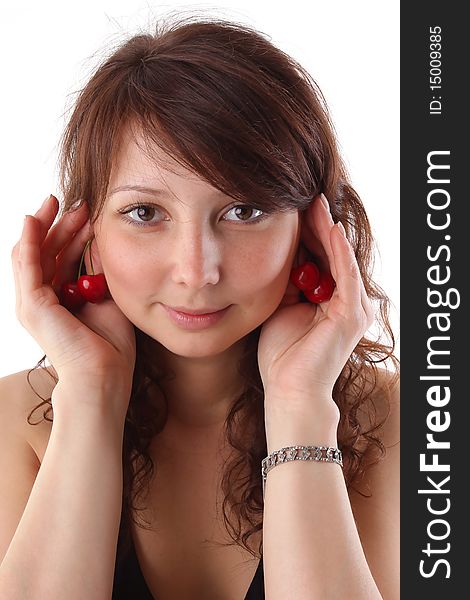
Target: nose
195 257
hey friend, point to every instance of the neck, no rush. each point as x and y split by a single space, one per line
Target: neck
199 392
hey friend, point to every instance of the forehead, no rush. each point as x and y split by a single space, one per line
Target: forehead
139 158
139 166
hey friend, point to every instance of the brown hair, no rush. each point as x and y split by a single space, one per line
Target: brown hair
224 102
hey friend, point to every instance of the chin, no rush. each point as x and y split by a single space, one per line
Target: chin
194 350
200 344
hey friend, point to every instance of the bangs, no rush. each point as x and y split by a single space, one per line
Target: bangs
216 102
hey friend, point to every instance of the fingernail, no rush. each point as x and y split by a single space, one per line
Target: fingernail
327 208
46 200
76 205
325 201
341 228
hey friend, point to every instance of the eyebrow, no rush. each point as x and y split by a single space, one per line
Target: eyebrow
149 190
138 188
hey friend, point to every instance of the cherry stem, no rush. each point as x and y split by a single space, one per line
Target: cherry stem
91 259
81 261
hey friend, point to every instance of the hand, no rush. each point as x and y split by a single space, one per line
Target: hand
303 347
94 347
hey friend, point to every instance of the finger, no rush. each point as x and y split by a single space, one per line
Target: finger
324 225
30 275
16 277
46 215
59 237
365 300
321 224
29 249
367 305
68 260
348 300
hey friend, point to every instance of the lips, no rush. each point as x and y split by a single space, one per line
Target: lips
199 311
195 321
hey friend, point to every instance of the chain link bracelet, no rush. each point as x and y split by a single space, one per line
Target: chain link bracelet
317 453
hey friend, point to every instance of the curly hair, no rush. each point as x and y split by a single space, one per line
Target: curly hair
223 101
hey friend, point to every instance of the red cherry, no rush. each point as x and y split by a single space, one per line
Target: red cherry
306 276
324 289
92 287
70 296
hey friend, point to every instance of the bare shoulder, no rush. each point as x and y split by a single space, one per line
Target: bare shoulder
375 501
380 415
20 394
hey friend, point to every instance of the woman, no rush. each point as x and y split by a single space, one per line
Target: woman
208 175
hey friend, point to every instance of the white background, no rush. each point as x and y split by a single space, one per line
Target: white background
48 49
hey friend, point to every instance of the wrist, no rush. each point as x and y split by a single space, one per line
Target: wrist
104 402
291 424
300 437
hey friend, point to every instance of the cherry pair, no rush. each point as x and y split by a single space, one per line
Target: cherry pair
87 288
316 285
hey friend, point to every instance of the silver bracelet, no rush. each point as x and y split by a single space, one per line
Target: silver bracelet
317 453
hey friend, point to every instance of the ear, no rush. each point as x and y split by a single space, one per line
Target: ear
95 256
302 255
97 266
310 247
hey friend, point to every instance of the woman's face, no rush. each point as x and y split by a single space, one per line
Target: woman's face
188 245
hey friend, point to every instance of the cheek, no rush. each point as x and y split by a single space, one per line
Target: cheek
126 268
262 269
256 268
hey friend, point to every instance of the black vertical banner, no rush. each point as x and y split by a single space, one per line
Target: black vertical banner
435 434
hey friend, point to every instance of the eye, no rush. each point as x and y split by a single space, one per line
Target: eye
244 211
144 213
